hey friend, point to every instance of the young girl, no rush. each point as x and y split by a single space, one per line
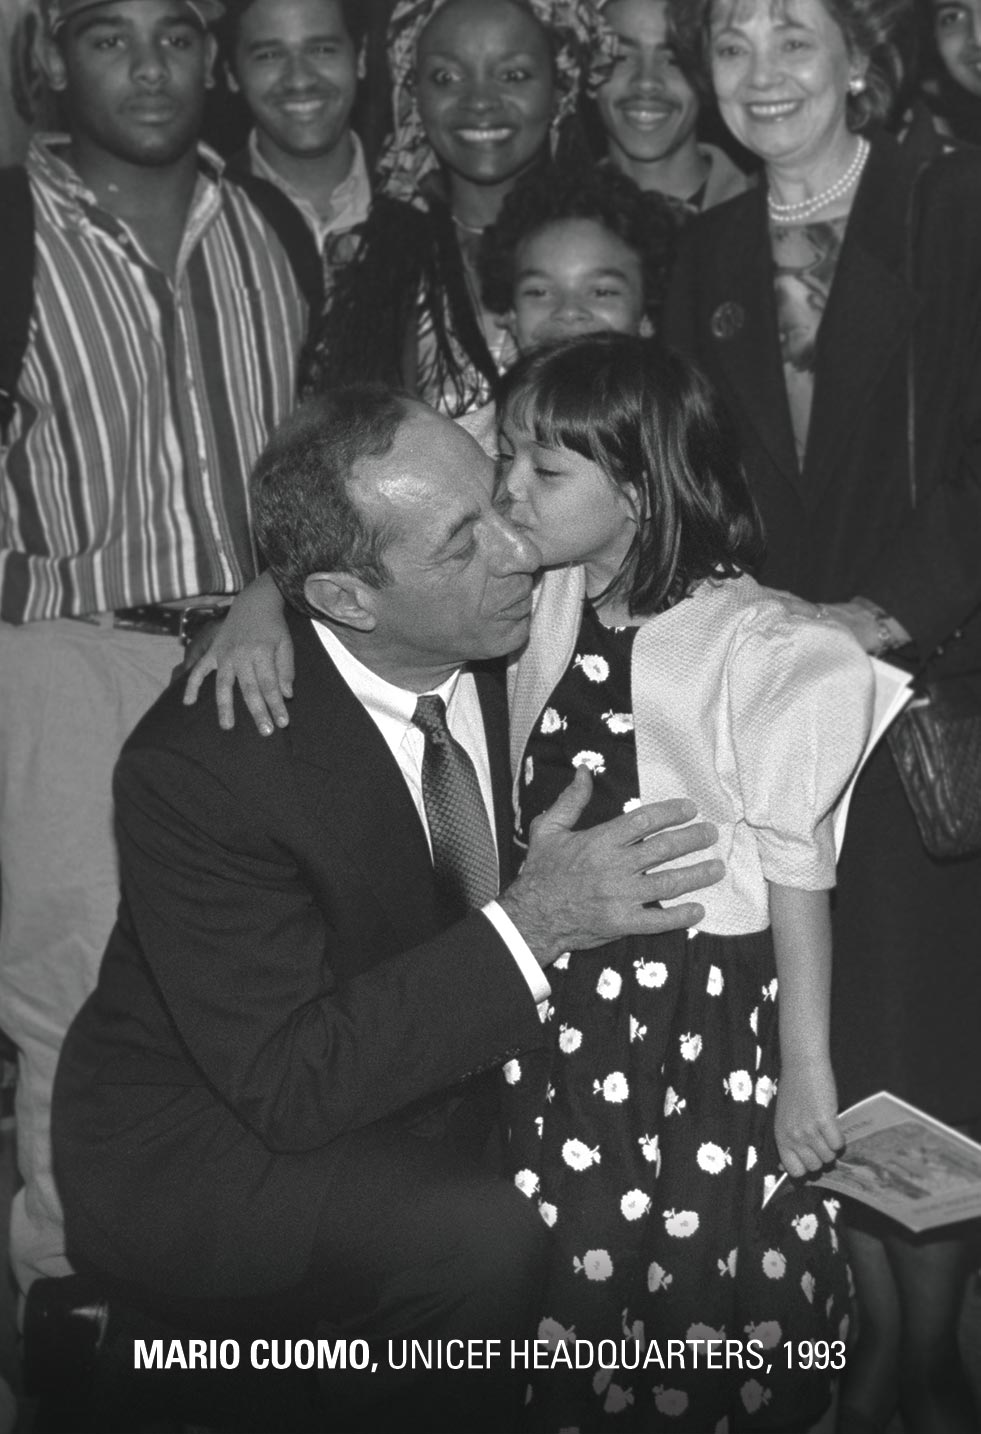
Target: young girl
675 1084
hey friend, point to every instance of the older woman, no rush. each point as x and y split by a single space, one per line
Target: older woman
838 309
481 89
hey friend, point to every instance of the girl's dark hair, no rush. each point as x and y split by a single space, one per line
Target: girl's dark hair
647 223
654 424
875 29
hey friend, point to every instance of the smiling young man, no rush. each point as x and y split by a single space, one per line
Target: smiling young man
147 389
296 65
649 112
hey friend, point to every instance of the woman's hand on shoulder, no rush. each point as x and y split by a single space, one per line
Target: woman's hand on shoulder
251 647
806 1123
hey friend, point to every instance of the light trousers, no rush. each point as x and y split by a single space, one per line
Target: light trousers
70 693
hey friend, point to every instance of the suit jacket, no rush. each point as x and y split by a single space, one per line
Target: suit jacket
908 282
276 979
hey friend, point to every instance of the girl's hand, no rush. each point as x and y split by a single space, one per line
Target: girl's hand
807 1129
252 647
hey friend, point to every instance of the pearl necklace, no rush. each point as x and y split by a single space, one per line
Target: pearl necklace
806 208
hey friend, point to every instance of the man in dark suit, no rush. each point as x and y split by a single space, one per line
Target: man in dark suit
275 1095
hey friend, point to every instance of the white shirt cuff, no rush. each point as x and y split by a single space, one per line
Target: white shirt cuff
518 946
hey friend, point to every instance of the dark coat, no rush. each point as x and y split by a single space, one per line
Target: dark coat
844 527
276 978
905 979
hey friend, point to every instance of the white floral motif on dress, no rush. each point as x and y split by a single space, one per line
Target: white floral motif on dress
715 984
806 1226
527 1182
754 1396
770 990
769 1185
595 761
766 1089
658 1278
650 1146
619 722
552 722
635 1204
512 1072
609 984
578 1156
637 1031
691 1046
674 1104
529 771
549 1329
832 1207
712 1158
739 1085
750 1156
754 1019
617 1399
807 1285
768 1332
561 963
728 1265
672 1402
595 668
569 1040
595 1265
632 804
614 1088
651 974
681 1223
539 1125
774 1265
548 1212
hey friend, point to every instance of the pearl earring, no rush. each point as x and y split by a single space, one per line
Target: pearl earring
857 85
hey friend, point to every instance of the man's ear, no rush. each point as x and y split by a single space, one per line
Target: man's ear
53 63
342 598
210 55
361 67
230 79
646 329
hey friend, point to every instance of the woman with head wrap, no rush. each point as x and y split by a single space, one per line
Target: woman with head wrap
482 91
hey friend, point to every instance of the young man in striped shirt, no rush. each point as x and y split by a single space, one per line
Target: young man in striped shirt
162 351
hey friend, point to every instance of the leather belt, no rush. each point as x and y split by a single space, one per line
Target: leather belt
159 620
181 622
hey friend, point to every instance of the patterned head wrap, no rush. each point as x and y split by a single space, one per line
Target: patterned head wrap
582 47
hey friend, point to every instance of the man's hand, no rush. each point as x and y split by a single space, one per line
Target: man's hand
581 889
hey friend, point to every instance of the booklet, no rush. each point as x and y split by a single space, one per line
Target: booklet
904 1164
892 693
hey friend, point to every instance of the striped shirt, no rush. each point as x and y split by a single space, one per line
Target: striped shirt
143 402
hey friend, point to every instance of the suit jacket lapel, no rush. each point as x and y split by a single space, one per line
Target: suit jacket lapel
353 788
871 298
742 319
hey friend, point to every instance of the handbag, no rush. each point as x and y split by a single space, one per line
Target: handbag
936 740
936 745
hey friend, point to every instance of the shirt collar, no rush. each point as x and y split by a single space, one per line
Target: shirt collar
349 202
392 707
81 208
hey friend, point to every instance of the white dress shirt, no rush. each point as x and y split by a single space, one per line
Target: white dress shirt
391 709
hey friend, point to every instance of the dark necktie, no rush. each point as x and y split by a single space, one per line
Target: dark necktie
463 848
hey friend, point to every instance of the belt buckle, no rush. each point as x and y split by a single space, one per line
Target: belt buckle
194 618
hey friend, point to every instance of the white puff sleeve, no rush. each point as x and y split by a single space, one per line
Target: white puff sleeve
800 702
